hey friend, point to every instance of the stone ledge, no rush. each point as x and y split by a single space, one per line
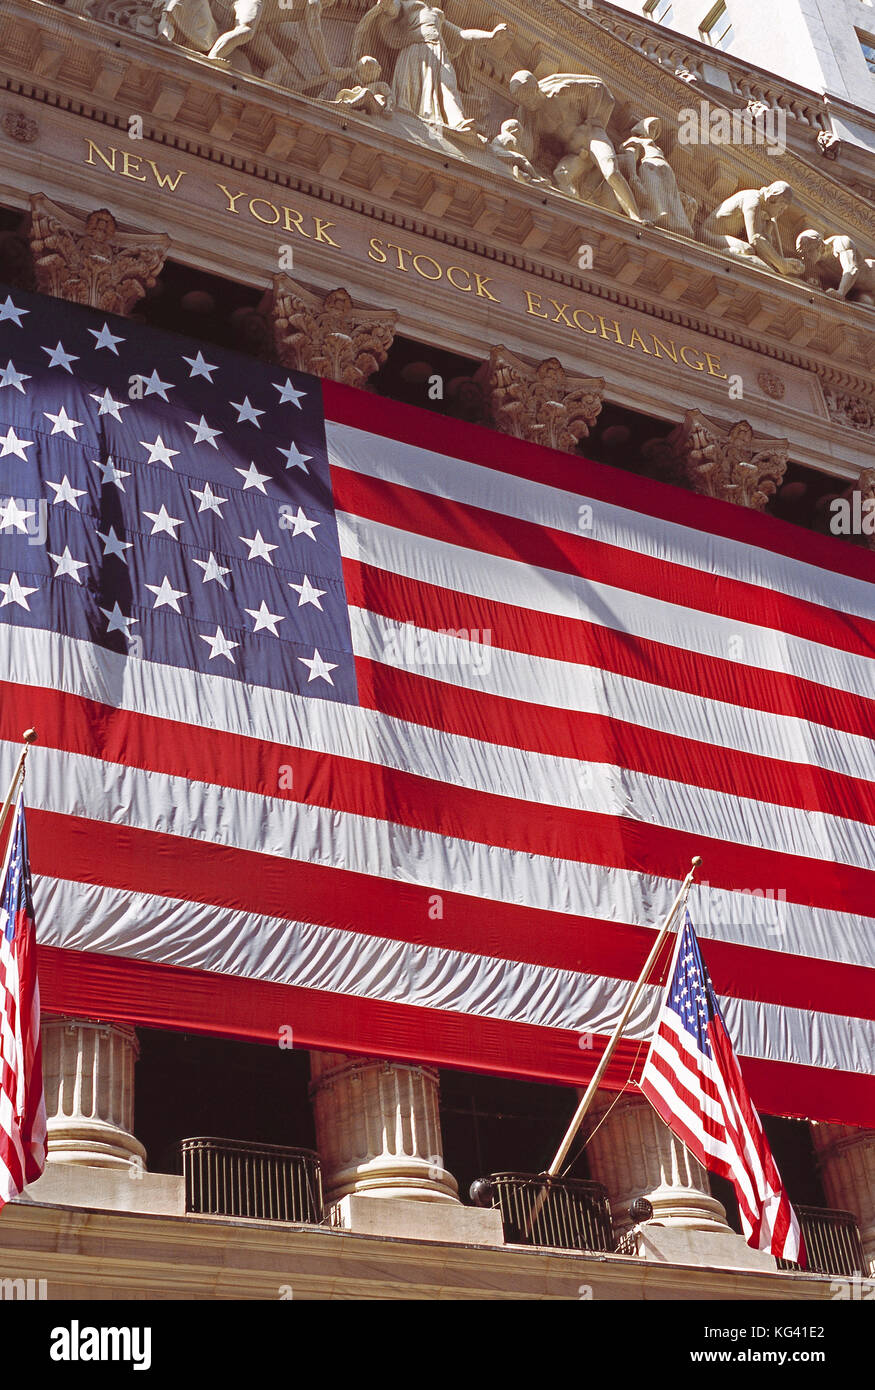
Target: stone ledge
410 1220
107 1189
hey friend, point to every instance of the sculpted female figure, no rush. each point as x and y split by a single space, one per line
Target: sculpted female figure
426 80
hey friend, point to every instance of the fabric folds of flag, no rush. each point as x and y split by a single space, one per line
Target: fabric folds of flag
22 1101
693 1079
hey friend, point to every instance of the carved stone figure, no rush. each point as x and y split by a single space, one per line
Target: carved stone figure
328 335
218 28
544 404
653 180
513 146
370 94
87 260
839 253
569 113
432 69
746 225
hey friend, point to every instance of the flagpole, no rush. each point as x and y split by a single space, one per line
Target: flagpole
29 737
589 1094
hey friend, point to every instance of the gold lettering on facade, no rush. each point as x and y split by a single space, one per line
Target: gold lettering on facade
631 343
532 308
715 370
696 366
130 166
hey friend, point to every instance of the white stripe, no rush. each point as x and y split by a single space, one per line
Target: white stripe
444 476
622 610
83 917
76 785
589 690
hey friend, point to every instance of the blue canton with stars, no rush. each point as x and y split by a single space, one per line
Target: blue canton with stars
167 501
690 992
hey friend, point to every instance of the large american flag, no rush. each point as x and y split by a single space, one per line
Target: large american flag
694 1082
401 733
22 1102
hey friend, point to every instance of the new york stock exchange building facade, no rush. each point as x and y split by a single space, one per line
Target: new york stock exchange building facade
535 225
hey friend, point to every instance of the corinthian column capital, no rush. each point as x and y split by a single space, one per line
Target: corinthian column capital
328 335
87 260
730 462
543 403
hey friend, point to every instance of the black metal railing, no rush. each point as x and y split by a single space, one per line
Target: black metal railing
832 1242
567 1213
230 1177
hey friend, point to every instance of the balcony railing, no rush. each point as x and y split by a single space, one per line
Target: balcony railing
229 1177
832 1242
566 1213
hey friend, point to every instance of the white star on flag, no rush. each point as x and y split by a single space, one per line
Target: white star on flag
111 474
294 458
62 423
319 669
10 377
166 594
116 620
247 412
58 357
301 523
252 478
154 386
67 566
159 452
66 492
9 311
308 594
259 548
114 545
203 434
14 591
220 646
199 367
209 502
213 570
13 445
264 618
108 406
163 521
13 515
288 394
105 339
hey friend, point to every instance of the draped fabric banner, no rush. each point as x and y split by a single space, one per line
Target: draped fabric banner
400 733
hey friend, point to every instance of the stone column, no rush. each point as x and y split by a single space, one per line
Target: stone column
87 260
634 1154
730 462
542 403
328 335
378 1129
846 1160
88 1075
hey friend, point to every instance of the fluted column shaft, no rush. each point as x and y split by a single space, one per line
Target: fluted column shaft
378 1129
634 1154
88 1076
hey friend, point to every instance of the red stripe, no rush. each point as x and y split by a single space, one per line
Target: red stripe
426 430
500 719
92 851
156 996
589 644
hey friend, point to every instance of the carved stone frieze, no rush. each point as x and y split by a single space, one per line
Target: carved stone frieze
87 260
716 460
328 335
866 488
543 403
771 385
853 411
19 127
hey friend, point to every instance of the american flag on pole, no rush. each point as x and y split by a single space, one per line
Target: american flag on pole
402 732
22 1103
693 1080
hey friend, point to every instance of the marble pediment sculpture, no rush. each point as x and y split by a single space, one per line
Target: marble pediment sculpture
837 255
430 60
747 225
277 42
